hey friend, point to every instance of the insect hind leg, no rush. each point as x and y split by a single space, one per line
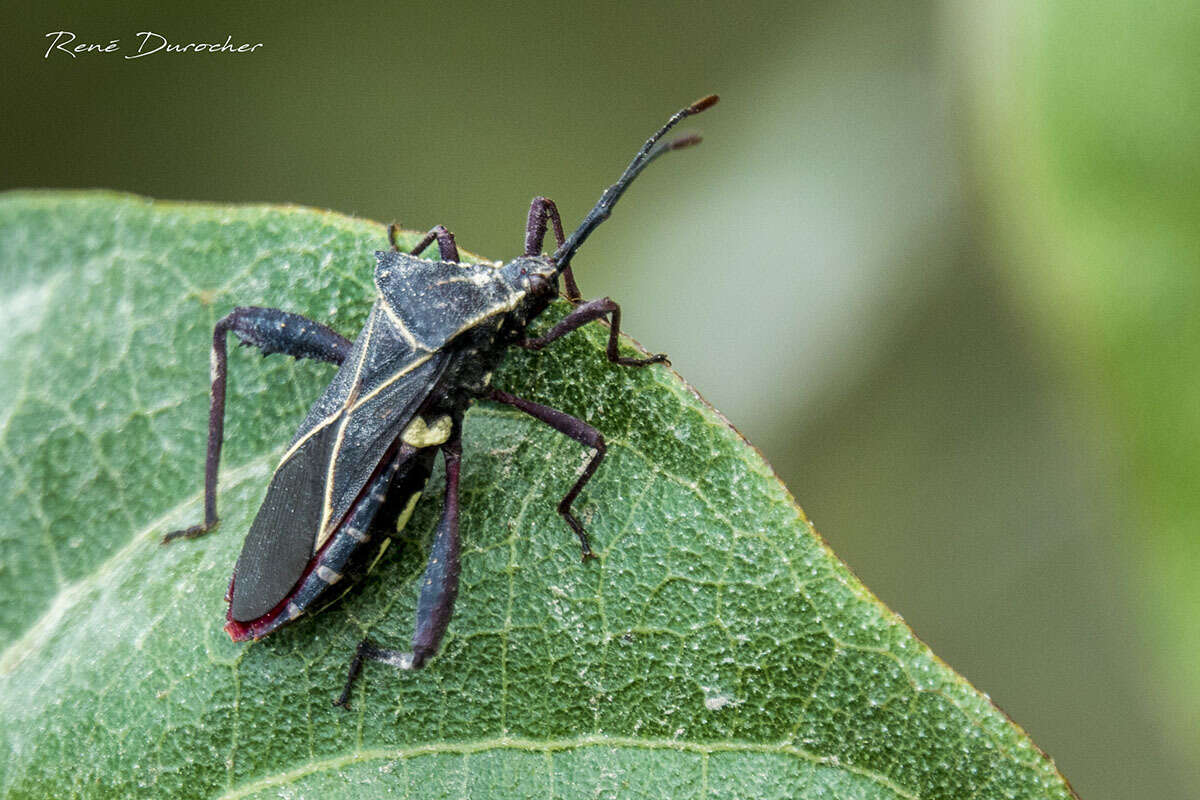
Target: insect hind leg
439 585
271 331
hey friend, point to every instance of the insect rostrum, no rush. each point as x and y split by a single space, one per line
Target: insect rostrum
361 458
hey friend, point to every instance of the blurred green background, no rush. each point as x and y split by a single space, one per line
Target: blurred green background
939 262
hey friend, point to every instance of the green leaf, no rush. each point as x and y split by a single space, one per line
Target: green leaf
716 648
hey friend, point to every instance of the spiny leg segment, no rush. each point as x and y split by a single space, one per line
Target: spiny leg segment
271 331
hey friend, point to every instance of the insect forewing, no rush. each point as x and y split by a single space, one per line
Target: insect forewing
341 443
395 364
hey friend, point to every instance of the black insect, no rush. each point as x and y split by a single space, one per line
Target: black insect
361 458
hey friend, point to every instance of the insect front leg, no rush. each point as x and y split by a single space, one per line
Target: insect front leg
447 249
271 331
578 430
588 312
439 585
541 211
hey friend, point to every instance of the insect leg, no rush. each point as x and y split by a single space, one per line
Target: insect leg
541 211
578 430
272 331
439 586
447 249
588 312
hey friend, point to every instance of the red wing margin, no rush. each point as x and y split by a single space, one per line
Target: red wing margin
280 542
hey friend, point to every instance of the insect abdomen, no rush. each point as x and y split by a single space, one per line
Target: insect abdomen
406 475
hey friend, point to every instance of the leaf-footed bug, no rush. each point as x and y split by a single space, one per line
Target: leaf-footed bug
361 458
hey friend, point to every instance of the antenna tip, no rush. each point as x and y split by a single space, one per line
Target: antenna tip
685 141
703 104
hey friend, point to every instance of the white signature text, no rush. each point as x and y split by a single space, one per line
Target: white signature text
148 43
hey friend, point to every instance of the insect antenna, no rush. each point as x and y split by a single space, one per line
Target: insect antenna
651 150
